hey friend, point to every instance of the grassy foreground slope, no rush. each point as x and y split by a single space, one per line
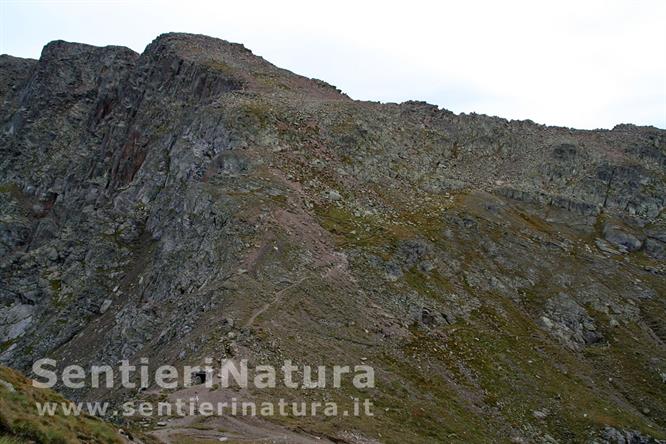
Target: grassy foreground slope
20 421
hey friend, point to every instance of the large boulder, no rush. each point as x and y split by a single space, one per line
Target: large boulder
622 239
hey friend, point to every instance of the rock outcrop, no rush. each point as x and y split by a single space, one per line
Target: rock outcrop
195 200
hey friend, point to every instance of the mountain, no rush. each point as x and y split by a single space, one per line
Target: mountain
504 279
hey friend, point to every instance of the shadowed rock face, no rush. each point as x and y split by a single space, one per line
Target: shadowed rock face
195 200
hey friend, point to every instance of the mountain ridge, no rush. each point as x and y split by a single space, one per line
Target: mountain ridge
184 37
196 200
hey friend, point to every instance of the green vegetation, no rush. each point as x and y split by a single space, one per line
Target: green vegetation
11 440
224 68
257 112
19 418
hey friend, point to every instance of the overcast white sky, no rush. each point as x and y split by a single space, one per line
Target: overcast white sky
584 63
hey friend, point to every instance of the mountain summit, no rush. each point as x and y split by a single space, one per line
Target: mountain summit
504 279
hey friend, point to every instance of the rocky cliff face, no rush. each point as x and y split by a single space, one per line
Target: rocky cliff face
506 279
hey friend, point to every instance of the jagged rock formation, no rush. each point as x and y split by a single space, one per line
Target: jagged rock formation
506 279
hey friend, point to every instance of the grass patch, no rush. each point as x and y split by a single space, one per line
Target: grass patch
20 419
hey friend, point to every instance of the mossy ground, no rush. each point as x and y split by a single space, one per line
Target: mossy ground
499 364
20 419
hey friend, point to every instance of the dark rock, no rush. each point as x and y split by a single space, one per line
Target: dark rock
622 239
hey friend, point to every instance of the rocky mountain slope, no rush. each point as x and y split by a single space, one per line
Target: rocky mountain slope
505 279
